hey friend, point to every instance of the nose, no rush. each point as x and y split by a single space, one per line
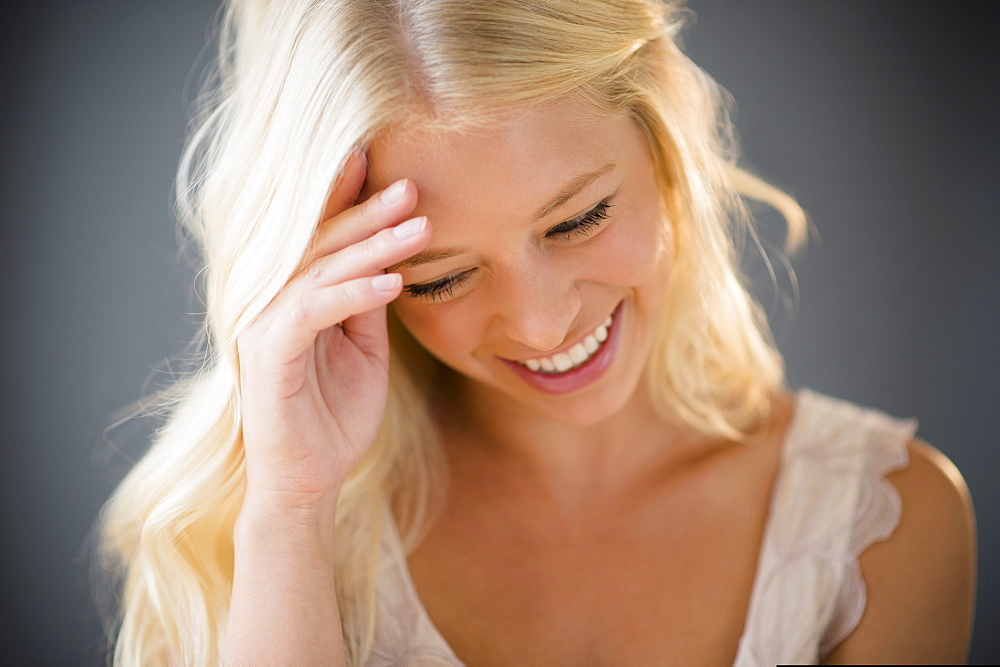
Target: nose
536 308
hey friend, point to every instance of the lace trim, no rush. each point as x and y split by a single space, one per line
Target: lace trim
830 503
876 516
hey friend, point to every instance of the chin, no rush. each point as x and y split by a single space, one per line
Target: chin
581 411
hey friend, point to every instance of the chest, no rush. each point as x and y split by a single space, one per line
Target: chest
667 581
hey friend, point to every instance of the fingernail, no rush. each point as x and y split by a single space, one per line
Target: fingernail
387 282
409 228
393 193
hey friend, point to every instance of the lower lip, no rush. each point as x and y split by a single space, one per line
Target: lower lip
591 370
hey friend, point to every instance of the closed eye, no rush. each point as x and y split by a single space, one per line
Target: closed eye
582 224
439 288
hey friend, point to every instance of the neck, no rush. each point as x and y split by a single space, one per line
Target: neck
489 435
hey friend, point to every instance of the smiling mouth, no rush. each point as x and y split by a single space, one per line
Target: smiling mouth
574 357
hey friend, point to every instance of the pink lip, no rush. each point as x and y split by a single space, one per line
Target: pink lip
591 370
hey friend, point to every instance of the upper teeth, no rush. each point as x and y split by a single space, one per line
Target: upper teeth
574 356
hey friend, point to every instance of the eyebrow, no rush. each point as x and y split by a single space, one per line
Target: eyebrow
427 257
572 189
569 191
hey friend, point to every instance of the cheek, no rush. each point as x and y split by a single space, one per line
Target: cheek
634 252
440 329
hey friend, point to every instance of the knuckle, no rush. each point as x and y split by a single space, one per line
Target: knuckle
367 213
386 243
352 293
355 293
314 272
372 213
376 244
300 311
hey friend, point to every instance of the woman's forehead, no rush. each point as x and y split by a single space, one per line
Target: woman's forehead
522 155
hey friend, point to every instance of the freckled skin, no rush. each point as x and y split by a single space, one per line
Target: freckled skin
530 294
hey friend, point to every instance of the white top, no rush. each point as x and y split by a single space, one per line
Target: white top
830 503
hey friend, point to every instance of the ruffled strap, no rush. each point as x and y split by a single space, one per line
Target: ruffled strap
876 514
831 501
404 633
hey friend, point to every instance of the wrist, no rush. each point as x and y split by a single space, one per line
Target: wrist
293 516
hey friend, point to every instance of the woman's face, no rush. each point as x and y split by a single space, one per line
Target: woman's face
543 229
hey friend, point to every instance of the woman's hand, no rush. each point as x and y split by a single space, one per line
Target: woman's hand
314 365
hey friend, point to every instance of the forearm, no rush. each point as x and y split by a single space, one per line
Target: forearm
284 604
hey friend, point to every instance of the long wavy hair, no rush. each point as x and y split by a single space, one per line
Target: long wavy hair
298 86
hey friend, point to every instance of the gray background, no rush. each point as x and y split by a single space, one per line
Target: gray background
881 117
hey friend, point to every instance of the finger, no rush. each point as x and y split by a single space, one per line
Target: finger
307 313
348 185
386 248
384 209
368 331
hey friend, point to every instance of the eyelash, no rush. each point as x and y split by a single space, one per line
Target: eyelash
581 225
439 288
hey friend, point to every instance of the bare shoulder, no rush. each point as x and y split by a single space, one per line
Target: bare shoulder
920 581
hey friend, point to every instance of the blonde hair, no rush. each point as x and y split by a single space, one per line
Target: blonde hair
300 85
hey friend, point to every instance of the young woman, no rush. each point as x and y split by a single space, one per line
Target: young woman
482 384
